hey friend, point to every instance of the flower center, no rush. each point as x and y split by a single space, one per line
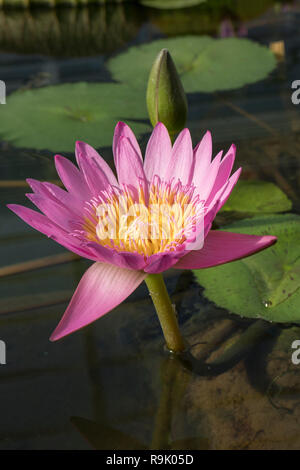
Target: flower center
128 220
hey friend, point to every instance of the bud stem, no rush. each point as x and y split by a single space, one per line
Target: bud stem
165 312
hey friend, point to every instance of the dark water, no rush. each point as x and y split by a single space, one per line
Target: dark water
111 385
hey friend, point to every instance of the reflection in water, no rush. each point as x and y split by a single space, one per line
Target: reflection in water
69 32
211 17
227 29
198 407
192 404
103 29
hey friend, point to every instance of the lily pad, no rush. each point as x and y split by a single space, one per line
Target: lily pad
265 285
55 117
204 64
207 17
255 197
166 4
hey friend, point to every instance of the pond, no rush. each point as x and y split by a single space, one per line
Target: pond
112 385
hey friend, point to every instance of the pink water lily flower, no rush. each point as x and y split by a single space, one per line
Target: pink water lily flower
189 177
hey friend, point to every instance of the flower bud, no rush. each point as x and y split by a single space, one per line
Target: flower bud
166 100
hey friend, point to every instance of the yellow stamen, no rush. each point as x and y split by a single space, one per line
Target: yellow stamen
122 220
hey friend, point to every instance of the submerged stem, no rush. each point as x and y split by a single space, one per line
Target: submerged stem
165 312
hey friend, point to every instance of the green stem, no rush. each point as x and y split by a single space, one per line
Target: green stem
165 312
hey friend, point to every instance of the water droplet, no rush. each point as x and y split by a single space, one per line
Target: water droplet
267 303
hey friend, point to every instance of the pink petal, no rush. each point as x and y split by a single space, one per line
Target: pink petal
72 179
95 177
133 260
223 173
162 261
96 171
57 213
91 155
208 182
101 288
224 193
158 152
63 196
202 159
54 192
128 164
41 223
202 229
122 259
180 166
223 247
122 130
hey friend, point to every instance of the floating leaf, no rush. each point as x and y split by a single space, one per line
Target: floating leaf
265 285
204 64
55 117
207 17
249 10
258 197
166 4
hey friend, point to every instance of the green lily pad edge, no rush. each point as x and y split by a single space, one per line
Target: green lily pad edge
204 64
54 117
168 4
265 285
257 197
